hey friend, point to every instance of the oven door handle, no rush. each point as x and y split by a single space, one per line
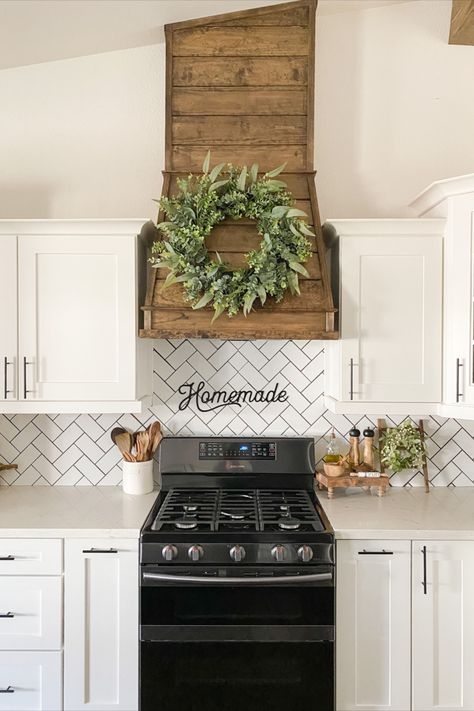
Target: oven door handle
150 578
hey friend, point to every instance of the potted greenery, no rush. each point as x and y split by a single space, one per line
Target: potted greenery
402 447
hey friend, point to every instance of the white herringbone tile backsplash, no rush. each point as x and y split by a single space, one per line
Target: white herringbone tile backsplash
77 450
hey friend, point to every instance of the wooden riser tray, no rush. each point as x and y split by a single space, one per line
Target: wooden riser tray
338 482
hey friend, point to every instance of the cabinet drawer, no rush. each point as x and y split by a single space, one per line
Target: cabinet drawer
30 681
27 556
30 613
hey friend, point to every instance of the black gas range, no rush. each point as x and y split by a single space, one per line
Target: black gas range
237 579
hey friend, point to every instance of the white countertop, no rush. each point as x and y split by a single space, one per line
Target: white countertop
445 513
72 511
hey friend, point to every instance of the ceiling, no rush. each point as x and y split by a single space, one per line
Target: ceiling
36 31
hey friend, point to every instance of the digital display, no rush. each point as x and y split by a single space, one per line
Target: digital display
222 449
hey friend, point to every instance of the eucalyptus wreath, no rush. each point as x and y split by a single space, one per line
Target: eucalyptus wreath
200 204
402 447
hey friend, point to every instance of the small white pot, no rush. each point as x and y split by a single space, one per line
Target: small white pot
137 477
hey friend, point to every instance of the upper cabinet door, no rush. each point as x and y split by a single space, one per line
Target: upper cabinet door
391 312
77 317
443 625
8 317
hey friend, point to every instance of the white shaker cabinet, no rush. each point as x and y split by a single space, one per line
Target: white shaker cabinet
71 342
373 626
101 625
443 625
388 359
8 316
453 199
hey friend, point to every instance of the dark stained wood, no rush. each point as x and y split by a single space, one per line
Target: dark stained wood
239 72
254 130
239 41
187 157
174 323
311 296
232 236
462 22
287 18
255 16
242 86
237 101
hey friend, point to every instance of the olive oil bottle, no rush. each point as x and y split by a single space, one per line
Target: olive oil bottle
332 455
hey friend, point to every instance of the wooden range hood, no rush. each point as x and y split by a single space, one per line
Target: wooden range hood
242 85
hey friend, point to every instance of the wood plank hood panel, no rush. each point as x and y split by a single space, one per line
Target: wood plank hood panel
242 85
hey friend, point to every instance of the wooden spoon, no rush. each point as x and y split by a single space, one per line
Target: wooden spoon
155 436
123 440
142 442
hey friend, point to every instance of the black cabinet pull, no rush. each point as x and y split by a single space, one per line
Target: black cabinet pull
100 550
424 583
7 614
25 388
7 557
8 690
458 366
6 390
382 552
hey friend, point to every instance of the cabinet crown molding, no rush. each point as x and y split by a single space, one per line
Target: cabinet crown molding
438 191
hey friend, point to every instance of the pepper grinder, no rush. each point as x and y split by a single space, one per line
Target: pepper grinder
368 456
354 449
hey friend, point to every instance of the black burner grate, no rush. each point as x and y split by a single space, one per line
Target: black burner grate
213 510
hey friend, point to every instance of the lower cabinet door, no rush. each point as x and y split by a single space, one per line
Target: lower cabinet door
373 631
101 626
30 681
443 625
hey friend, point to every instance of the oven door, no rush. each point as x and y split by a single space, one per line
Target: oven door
249 643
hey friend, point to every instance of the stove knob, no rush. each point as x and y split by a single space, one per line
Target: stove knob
169 552
195 553
305 554
279 553
237 553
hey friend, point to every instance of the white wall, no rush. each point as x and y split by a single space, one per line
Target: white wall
395 107
84 137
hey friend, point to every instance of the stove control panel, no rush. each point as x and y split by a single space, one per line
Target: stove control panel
237 450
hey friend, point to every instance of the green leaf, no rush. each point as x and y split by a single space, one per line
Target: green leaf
242 179
204 300
215 171
262 293
169 247
276 171
267 240
219 258
170 279
303 227
206 163
254 172
275 185
218 310
294 212
294 230
279 211
293 282
297 267
167 226
248 302
218 184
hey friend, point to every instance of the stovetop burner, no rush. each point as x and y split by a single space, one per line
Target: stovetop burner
257 510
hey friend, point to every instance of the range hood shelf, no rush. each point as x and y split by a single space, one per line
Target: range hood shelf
230 79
